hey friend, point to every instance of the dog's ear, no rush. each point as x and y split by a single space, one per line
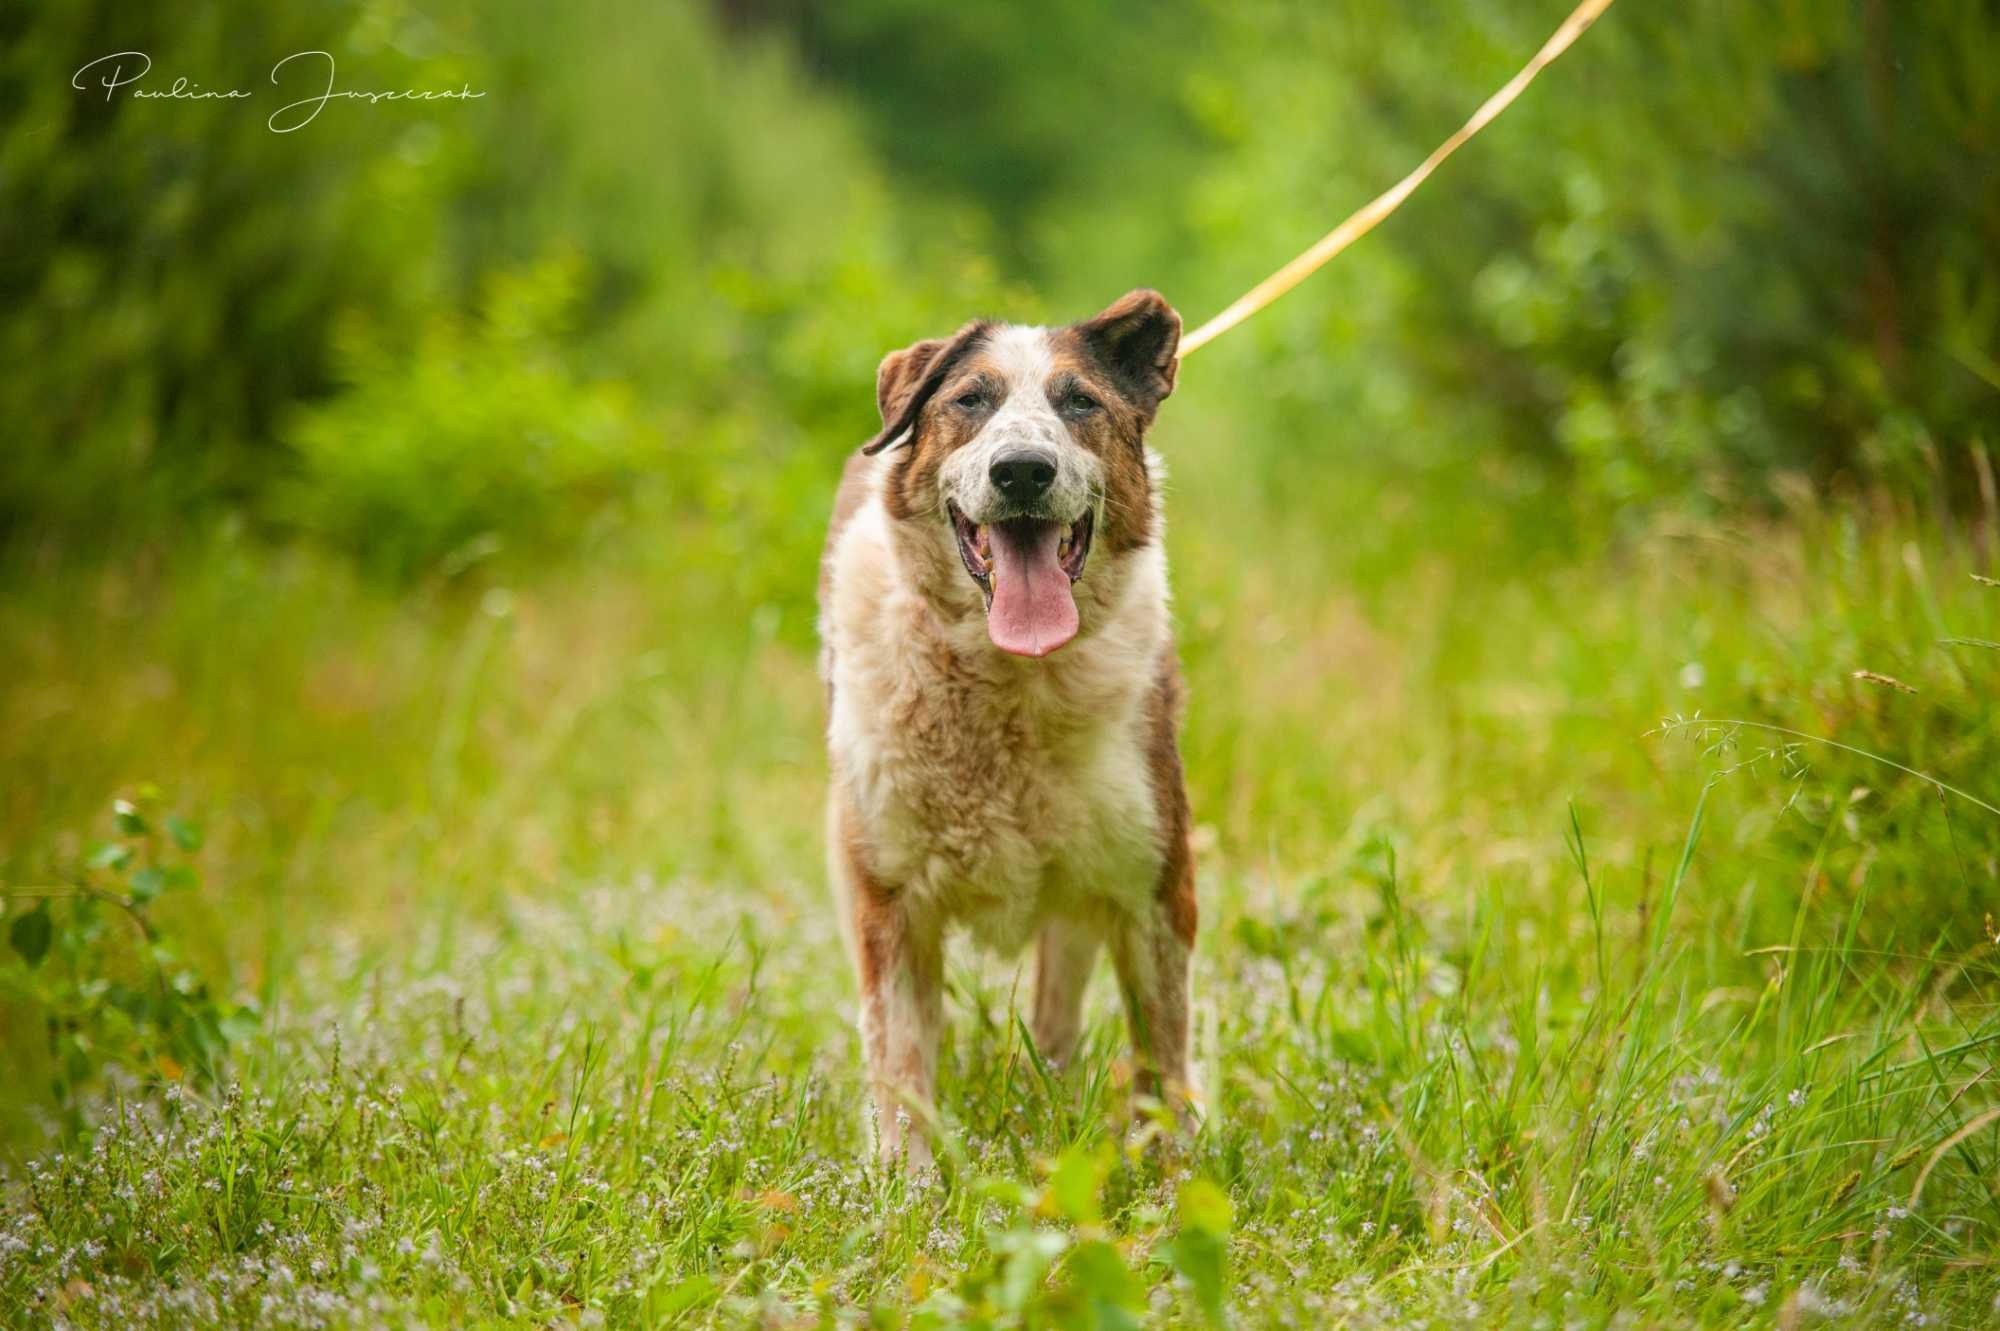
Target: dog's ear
907 379
1137 336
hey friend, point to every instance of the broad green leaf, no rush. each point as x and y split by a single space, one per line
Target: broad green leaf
1109 1289
1205 1207
1201 1250
1073 1186
32 933
677 1298
110 855
1203 1259
1027 1255
147 884
186 834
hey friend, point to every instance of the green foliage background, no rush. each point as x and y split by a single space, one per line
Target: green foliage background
1733 244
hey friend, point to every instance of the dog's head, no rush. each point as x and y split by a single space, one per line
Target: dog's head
1022 485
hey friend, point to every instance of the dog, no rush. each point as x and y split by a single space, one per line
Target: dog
1004 695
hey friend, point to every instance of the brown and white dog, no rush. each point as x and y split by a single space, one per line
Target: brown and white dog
1004 693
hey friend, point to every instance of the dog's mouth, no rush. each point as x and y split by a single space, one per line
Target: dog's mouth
1025 568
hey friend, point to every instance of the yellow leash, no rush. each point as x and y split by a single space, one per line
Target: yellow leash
1363 220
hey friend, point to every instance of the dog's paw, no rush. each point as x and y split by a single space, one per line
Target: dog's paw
1166 1123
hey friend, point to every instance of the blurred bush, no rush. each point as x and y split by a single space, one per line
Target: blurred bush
1764 244
169 271
108 980
1023 109
478 429
1717 245
357 328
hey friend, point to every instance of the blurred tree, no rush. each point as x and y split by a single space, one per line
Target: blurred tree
1021 108
174 277
168 269
1720 241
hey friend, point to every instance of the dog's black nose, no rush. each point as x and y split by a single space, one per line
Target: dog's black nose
1023 475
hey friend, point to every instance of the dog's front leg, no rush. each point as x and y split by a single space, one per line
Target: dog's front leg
899 960
1151 951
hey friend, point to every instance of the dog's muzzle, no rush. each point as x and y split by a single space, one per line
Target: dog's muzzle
1026 566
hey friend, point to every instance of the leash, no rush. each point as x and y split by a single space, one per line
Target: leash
1364 219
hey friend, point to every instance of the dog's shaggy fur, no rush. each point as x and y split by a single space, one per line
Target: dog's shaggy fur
1000 762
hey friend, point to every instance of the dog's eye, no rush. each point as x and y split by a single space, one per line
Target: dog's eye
1080 403
971 401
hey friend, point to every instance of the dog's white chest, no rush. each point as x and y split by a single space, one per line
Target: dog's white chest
993 797
998 812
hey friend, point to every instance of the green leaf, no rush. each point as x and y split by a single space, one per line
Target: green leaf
1110 1290
32 933
147 884
186 834
1201 1250
125 816
1026 1255
1203 1259
1011 1193
677 1298
1074 1184
110 855
239 1025
1205 1207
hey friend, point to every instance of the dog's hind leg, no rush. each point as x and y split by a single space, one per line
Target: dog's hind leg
1151 950
1063 963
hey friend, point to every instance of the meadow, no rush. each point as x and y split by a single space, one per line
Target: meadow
1538 983
411 776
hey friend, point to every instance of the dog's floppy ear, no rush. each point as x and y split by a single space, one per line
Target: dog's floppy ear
1138 335
908 378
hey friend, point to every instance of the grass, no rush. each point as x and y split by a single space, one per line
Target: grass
1521 1003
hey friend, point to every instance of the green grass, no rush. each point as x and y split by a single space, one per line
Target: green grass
1516 1007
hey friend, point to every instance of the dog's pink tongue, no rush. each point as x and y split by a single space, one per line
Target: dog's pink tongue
1033 612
